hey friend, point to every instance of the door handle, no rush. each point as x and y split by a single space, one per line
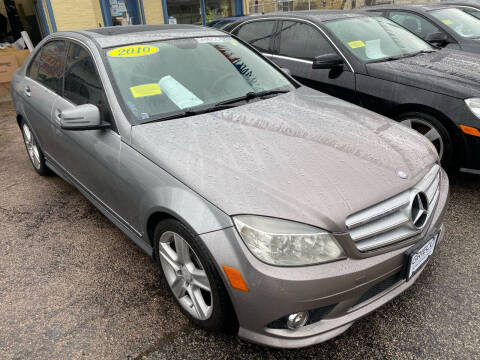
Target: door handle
27 91
58 114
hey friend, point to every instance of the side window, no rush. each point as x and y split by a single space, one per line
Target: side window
302 41
82 83
47 67
414 23
257 34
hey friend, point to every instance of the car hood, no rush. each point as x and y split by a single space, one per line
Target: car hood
449 72
303 156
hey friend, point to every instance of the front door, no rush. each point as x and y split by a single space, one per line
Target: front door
91 157
297 44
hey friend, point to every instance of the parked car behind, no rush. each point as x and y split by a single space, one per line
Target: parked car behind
223 22
371 61
271 208
471 7
441 24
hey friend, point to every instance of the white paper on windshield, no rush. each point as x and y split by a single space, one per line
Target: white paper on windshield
179 94
373 49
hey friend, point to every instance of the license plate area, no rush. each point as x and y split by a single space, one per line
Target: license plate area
419 255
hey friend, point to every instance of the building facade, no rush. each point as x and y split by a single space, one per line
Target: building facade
59 15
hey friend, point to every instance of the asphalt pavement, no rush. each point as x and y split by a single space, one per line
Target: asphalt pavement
72 286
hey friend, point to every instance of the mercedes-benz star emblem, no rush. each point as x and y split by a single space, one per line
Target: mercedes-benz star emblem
402 174
419 210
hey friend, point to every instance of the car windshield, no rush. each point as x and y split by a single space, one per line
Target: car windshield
471 11
161 79
376 38
463 24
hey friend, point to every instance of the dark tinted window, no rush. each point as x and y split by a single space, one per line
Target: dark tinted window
47 67
302 41
414 23
82 83
257 33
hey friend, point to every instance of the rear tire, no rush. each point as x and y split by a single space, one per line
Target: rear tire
435 132
34 151
191 275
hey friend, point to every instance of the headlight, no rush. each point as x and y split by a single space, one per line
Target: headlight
474 106
286 243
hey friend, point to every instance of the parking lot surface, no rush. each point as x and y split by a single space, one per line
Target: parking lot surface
73 286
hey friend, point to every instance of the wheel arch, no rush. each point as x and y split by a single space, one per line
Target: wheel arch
154 219
449 124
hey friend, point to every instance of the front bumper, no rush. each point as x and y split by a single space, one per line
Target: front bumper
340 286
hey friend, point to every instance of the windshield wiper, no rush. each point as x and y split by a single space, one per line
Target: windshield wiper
253 95
392 58
189 112
227 104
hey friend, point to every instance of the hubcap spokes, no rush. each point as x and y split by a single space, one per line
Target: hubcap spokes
427 130
185 275
31 145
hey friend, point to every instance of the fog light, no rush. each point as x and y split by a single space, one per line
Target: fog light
297 320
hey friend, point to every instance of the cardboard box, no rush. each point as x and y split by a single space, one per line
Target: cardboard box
8 65
10 60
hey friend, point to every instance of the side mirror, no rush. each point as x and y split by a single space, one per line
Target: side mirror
437 38
82 117
287 71
327 61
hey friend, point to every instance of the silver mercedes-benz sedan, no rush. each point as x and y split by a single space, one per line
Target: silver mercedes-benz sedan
273 210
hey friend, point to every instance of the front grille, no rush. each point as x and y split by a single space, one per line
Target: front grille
379 288
390 221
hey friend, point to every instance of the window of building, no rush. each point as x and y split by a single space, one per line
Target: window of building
257 34
47 67
302 41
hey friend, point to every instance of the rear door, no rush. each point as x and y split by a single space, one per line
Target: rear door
41 87
91 157
297 44
259 34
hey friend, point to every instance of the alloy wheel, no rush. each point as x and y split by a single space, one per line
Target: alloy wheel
185 275
427 130
32 148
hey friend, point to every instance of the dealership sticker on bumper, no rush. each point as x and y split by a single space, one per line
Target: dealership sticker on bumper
419 255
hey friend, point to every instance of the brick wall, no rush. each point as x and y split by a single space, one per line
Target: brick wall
153 11
70 15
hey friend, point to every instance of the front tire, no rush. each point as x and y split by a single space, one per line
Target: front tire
33 150
191 275
435 132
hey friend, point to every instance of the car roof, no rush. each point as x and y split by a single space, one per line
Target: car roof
112 36
318 16
417 7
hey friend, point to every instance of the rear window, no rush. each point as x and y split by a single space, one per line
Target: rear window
257 34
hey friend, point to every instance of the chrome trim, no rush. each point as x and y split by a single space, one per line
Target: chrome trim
292 59
301 20
390 221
